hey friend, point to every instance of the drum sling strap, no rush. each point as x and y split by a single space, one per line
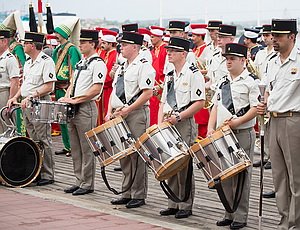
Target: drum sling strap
171 97
103 174
188 185
237 196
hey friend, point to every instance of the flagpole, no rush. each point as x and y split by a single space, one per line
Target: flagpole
40 15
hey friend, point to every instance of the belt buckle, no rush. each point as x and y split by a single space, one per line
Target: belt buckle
290 114
274 114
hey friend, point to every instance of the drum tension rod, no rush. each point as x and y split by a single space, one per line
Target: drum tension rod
169 143
159 150
122 139
103 149
220 154
230 149
200 165
96 153
112 143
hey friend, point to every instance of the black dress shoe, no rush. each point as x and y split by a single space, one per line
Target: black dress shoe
257 163
224 222
120 201
168 211
82 191
135 203
237 225
268 165
118 169
63 151
183 214
42 182
71 189
269 194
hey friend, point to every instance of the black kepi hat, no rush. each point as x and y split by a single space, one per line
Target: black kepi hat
132 38
176 26
284 26
266 29
179 44
130 27
213 24
34 37
235 49
227 30
4 34
88 35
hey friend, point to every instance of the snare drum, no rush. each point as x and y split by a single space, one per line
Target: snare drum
163 150
219 156
51 112
111 141
20 161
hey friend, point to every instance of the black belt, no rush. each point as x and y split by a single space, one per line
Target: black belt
286 114
242 130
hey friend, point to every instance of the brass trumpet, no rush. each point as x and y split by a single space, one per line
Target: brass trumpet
252 68
157 90
208 96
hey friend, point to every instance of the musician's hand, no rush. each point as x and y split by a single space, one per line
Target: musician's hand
122 112
108 117
210 131
11 102
61 99
25 103
261 108
67 100
172 119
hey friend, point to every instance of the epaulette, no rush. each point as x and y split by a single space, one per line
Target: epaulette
27 59
224 80
143 48
193 68
170 73
216 53
143 60
9 55
45 57
253 76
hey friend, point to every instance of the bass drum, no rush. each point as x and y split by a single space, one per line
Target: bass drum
20 161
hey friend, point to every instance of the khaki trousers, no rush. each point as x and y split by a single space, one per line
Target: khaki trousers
137 121
246 139
188 131
41 132
285 158
82 155
4 95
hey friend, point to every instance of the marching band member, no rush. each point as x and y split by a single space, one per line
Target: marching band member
9 73
85 88
235 102
39 78
281 100
65 57
132 88
184 94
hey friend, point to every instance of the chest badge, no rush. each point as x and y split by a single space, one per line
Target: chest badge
185 84
294 70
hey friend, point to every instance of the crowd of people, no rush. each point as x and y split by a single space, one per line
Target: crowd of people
195 76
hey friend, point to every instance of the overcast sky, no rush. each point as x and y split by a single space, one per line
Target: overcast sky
227 10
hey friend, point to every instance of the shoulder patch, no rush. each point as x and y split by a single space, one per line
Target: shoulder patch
274 55
143 60
27 59
193 68
9 55
216 53
253 76
45 57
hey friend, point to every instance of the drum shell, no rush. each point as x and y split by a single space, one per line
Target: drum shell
20 161
111 141
163 150
233 161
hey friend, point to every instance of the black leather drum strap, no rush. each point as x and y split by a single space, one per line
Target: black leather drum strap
237 196
188 185
103 174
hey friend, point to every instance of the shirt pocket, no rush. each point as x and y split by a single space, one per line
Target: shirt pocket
34 79
130 85
240 97
183 96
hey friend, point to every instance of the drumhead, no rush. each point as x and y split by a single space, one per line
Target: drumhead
20 162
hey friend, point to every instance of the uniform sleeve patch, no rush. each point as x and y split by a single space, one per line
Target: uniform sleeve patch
51 75
148 81
198 92
193 68
100 75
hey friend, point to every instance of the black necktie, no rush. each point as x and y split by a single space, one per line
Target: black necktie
120 88
171 97
227 96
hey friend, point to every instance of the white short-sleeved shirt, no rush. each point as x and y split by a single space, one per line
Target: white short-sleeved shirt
145 53
216 69
93 71
207 53
189 86
283 83
261 59
36 73
9 68
138 75
244 92
190 58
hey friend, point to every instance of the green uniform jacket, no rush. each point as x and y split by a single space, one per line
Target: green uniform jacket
73 55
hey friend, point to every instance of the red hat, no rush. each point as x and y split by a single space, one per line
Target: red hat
51 39
109 36
199 29
146 34
157 31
